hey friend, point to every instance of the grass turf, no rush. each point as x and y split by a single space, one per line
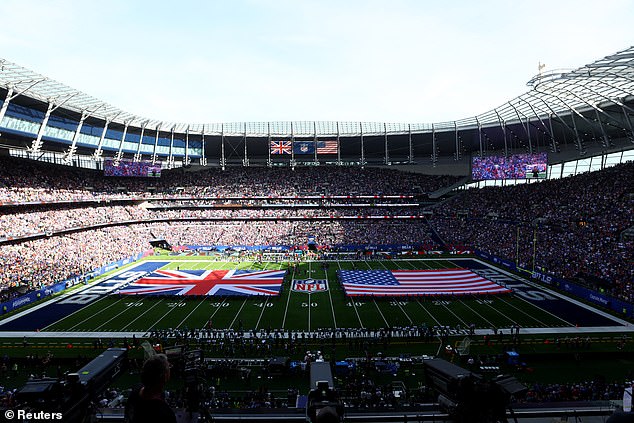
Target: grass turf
301 311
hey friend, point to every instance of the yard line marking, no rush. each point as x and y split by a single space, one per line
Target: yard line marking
216 310
395 263
290 292
427 266
83 308
374 300
213 263
238 313
309 300
482 317
465 304
140 315
398 302
210 265
332 307
190 313
543 309
352 300
427 311
309 303
456 316
117 315
523 312
165 315
266 301
410 264
95 314
379 310
502 314
472 309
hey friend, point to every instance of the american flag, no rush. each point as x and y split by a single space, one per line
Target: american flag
327 147
395 283
281 147
208 282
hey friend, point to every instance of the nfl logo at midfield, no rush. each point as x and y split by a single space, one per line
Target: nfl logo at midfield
309 285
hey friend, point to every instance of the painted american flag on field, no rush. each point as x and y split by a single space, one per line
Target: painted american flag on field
208 282
394 283
281 147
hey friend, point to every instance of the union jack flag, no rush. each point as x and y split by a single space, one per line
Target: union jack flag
208 282
393 283
281 147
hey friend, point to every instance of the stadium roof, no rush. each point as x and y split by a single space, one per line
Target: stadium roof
608 81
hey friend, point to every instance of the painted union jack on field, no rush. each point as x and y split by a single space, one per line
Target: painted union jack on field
208 282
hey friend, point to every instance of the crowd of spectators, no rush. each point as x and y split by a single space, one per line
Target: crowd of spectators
35 264
568 227
32 222
29 181
296 233
36 221
38 263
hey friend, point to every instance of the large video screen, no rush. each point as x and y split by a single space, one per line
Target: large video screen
516 166
128 168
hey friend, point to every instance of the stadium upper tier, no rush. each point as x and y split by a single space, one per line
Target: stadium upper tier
591 104
27 181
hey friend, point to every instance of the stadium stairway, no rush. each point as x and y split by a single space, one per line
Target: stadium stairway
435 237
444 190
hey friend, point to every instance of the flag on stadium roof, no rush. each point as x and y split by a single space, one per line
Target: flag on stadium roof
416 282
327 147
281 147
208 282
304 147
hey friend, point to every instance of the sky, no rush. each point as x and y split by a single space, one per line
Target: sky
410 61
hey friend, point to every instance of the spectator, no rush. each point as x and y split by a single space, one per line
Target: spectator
147 402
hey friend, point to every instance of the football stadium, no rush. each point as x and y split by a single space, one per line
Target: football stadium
474 270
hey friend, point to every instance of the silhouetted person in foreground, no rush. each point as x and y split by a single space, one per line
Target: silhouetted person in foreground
146 403
327 415
621 418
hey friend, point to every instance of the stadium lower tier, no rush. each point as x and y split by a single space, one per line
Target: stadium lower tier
44 261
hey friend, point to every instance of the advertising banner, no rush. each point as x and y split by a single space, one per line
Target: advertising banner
34 296
576 290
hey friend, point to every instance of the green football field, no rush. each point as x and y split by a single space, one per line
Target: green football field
301 311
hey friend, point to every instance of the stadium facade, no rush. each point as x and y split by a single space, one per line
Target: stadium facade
567 113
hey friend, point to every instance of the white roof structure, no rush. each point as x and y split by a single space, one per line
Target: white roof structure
608 81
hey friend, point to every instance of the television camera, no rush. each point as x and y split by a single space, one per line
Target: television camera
323 403
70 399
469 397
